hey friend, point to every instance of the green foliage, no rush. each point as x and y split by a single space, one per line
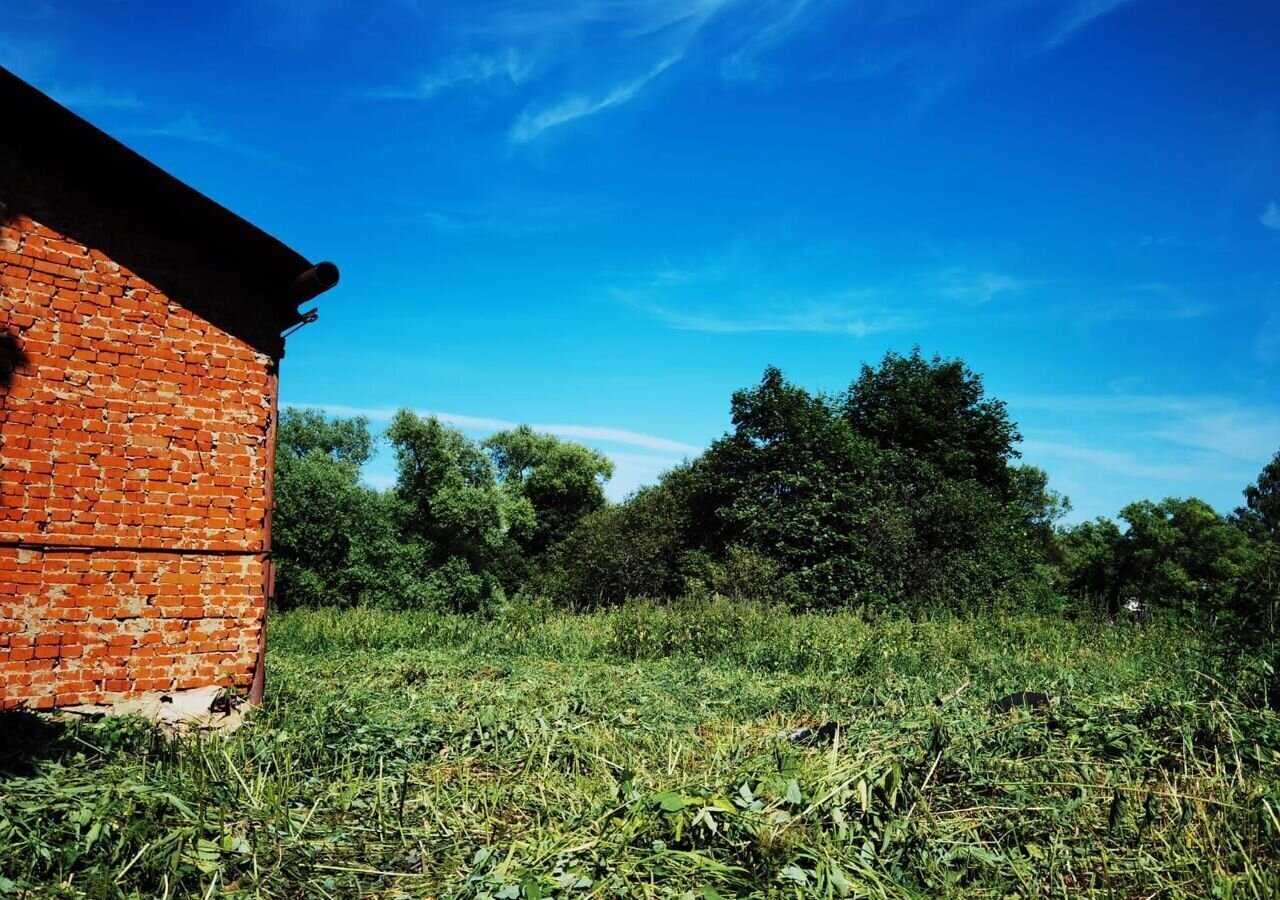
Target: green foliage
793 482
333 539
1176 557
1089 559
645 752
1039 506
937 411
1260 515
635 549
560 481
330 535
465 525
835 516
1260 519
897 494
1181 556
303 431
451 508
900 494
953 544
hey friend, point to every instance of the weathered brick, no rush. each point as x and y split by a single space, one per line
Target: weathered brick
135 423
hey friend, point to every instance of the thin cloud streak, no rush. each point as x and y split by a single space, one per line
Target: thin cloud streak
1226 428
1083 14
517 218
507 68
746 304
814 319
744 63
1270 217
93 96
737 293
981 288
1116 463
190 129
484 423
531 124
536 22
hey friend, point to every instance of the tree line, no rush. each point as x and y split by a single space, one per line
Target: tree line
901 493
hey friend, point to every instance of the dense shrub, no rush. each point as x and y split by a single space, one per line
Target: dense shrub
334 539
1176 557
865 500
902 493
936 410
634 549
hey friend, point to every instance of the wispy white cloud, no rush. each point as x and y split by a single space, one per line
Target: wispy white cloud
739 292
184 128
1097 445
574 59
517 217
507 67
1079 16
1227 430
485 423
533 122
1111 461
188 128
786 19
537 21
1271 216
1152 301
1266 346
94 96
1223 426
578 58
978 288
751 288
828 317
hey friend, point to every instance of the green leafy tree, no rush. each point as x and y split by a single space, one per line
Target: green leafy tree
1260 519
936 410
301 431
957 544
332 538
857 507
1180 555
1038 506
1089 560
559 481
451 507
795 483
632 549
1260 515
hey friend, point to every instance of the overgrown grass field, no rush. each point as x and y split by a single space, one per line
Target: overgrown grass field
645 752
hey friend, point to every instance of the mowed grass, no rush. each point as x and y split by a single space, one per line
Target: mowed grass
637 753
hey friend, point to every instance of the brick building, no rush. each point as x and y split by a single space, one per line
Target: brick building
140 335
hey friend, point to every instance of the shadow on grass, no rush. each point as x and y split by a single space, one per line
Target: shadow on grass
27 738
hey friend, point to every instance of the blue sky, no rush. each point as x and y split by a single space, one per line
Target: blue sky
603 216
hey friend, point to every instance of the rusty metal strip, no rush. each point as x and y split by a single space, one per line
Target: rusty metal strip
71 547
259 684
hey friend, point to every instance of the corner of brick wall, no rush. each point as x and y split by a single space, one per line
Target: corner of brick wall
133 484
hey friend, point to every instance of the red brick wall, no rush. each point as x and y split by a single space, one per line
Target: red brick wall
134 451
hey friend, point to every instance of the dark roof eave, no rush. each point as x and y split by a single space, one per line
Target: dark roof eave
123 181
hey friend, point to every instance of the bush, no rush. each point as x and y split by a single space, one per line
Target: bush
634 549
